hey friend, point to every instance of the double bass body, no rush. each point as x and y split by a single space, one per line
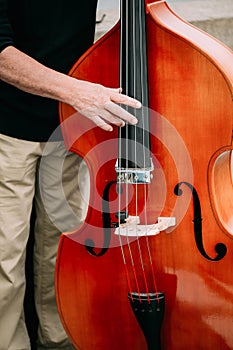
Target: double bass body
190 89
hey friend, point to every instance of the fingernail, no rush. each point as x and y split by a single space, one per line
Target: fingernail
107 128
138 104
134 121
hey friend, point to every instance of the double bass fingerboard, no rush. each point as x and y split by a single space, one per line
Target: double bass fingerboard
134 141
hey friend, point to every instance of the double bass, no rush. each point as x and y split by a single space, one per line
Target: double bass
151 266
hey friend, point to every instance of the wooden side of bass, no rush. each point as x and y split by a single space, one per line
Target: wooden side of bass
190 98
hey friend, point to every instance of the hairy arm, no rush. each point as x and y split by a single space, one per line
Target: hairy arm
94 101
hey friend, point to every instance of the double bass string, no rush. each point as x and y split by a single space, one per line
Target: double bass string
137 64
134 65
145 98
142 28
126 42
133 77
124 74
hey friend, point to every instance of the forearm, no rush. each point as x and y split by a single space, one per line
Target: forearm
29 75
96 102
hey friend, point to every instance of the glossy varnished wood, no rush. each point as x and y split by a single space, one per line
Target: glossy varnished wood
190 99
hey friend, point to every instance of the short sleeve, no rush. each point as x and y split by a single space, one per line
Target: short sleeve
6 32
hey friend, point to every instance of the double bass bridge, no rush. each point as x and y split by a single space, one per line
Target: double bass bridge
132 228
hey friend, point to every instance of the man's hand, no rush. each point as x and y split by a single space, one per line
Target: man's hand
102 105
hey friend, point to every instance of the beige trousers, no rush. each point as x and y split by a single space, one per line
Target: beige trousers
49 173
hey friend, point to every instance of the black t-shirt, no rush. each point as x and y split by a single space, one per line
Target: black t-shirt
54 32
